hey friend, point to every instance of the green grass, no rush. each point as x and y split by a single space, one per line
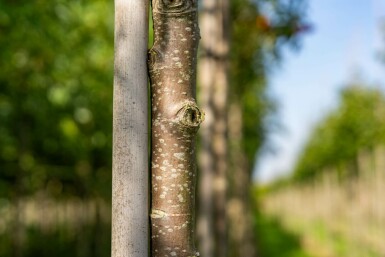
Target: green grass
325 240
274 241
339 242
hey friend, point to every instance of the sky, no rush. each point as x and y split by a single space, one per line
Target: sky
343 45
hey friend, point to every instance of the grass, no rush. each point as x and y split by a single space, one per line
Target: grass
275 241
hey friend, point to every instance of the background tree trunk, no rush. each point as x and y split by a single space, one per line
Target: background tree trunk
130 131
214 83
239 206
175 121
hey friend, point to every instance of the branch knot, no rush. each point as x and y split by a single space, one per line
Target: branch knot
189 116
174 7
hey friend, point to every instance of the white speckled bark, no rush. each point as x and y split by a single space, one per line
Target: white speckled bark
130 131
175 121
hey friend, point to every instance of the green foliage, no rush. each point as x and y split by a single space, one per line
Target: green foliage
274 240
55 118
55 97
358 123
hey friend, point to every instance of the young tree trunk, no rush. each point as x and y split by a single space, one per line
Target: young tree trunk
130 131
175 121
214 82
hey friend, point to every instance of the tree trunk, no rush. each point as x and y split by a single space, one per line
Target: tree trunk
175 121
214 82
130 131
241 236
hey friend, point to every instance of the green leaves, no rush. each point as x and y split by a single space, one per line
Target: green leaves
358 123
56 95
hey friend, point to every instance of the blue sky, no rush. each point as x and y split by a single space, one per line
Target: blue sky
343 45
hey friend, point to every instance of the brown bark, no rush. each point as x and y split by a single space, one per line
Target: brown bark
213 74
175 121
241 236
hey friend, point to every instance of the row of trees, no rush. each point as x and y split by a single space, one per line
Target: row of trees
241 42
357 124
339 180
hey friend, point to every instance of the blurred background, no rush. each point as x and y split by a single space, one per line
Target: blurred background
56 74
301 148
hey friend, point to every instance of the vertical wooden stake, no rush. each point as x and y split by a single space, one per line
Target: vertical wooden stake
130 131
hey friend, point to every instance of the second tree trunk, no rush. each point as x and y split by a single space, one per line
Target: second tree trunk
175 121
214 82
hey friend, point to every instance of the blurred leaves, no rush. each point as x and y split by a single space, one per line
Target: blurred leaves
56 97
55 126
260 31
358 123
